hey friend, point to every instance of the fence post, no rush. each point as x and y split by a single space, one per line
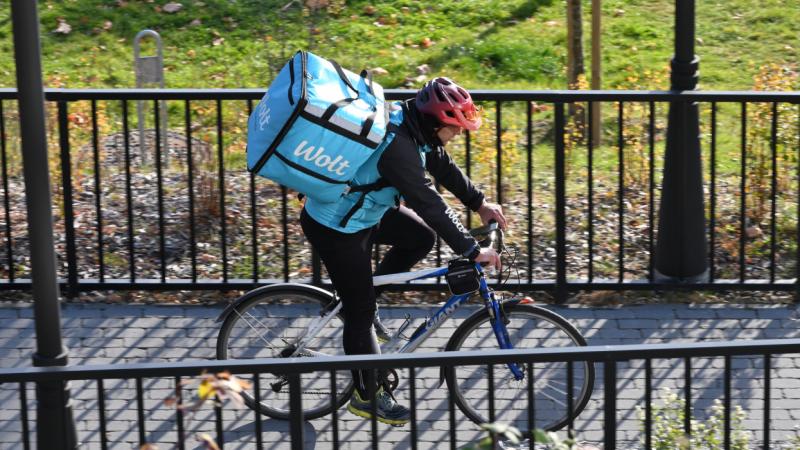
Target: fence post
681 250
55 424
295 412
610 406
561 205
66 182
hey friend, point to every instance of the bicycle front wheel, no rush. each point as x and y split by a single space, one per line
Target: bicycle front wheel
528 327
267 324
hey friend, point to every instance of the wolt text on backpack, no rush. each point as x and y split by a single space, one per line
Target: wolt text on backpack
315 126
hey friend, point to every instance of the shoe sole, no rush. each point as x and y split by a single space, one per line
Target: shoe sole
367 415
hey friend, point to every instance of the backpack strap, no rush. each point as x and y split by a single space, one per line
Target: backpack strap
364 189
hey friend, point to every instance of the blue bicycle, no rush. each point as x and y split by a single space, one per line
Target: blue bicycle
297 320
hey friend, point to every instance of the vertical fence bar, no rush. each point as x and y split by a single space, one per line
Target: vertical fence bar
648 404
570 400
531 407
797 246
499 144
221 175
687 392
743 194
218 422
162 250
129 191
190 178
590 194
6 200
451 409
285 225
316 268
335 411
727 404
610 408
66 182
561 216
23 410
179 412
253 211
767 397
373 403
98 192
140 411
295 412
413 403
529 187
712 227
257 412
490 373
621 194
101 406
467 163
651 146
773 147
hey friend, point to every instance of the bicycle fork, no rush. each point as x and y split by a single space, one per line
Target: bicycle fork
498 321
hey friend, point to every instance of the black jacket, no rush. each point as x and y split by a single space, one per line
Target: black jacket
400 166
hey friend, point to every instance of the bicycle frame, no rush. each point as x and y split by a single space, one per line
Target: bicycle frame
449 308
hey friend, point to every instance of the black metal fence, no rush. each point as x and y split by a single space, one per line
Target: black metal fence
99 408
181 212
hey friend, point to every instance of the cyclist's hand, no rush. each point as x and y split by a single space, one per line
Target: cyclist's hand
489 211
488 257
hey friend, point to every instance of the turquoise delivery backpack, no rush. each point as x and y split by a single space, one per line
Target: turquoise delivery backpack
315 126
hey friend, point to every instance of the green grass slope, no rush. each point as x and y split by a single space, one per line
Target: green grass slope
514 44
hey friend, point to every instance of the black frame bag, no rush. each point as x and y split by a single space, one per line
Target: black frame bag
462 277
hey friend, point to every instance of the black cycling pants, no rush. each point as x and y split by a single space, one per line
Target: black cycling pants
348 259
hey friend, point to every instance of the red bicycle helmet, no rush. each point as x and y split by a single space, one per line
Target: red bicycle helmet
449 103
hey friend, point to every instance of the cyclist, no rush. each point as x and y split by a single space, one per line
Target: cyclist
440 112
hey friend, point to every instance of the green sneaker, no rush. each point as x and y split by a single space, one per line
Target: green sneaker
389 411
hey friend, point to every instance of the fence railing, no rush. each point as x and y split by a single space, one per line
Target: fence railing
193 218
99 404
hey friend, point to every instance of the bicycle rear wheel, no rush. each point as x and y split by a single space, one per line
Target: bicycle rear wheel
528 327
267 324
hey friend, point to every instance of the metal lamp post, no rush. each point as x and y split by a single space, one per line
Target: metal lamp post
55 423
682 250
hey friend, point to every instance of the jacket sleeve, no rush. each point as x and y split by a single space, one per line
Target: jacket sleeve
402 167
447 173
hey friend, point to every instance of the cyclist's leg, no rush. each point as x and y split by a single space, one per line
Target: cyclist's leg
410 237
347 258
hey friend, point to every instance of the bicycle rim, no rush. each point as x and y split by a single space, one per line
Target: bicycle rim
267 326
528 327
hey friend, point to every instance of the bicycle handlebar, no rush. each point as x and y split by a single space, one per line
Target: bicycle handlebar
488 234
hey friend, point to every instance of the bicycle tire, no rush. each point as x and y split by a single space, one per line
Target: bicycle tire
276 309
536 325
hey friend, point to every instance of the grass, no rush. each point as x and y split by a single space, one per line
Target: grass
485 44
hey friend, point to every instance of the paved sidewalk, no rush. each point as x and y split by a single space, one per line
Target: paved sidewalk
114 334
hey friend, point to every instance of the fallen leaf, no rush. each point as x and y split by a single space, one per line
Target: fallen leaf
195 22
423 69
316 4
63 27
218 41
172 7
369 10
753 232
379 71
208 441
427 42
107 25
